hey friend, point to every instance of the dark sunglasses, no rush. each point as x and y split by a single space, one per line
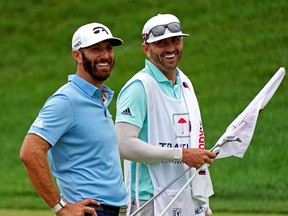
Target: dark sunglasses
160 29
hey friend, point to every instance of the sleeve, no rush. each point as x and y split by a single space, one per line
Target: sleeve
54 119
134 149
131 104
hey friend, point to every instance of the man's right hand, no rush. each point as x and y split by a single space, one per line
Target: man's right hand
79 208
195 157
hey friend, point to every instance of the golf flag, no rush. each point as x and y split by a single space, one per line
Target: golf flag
244 125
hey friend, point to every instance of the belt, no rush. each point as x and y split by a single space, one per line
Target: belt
106 208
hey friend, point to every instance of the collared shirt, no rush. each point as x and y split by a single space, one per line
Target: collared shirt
134 98
84 156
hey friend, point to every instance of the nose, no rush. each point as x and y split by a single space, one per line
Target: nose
105 54
169 45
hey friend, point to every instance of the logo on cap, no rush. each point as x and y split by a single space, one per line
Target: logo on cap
98 29
77 44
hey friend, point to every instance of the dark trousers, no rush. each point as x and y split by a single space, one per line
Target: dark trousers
104 210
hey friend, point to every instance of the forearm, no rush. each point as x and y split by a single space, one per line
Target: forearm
42 182
33 155
134 149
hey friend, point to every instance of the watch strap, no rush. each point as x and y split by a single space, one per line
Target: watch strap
61 204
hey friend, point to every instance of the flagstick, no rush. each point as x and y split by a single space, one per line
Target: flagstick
215 149
183 188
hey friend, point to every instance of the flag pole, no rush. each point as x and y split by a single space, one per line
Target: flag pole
215 149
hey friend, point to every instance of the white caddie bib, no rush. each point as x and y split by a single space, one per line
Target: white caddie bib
175 123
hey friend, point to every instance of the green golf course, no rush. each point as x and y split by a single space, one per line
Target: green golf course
234 47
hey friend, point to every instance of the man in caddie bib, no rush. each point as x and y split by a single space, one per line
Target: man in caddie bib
159 128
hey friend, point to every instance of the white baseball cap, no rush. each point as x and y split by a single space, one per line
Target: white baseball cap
163 23
93 33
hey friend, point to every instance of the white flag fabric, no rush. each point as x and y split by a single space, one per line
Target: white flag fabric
244 125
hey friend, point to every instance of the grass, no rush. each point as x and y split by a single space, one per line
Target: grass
233 49
18 212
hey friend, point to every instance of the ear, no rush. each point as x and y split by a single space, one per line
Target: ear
145 48
77 55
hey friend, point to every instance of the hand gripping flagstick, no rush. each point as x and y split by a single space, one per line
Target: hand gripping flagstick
215 149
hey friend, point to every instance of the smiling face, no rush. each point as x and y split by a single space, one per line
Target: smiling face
165 54
95 63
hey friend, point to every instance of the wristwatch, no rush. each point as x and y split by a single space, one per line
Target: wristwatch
61 204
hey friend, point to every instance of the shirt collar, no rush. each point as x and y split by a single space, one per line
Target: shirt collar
158 75
90 89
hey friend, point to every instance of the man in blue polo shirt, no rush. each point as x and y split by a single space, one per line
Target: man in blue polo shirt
75 128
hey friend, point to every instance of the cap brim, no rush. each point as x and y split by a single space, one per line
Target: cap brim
153 39
116 41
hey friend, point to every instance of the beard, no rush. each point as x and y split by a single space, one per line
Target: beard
163 64
91 68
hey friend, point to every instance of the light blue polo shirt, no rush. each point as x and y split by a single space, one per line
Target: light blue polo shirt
134 98
84 156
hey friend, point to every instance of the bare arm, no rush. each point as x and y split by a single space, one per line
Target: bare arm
33 154
132 148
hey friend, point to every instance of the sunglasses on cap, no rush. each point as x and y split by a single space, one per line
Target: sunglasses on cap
160 29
